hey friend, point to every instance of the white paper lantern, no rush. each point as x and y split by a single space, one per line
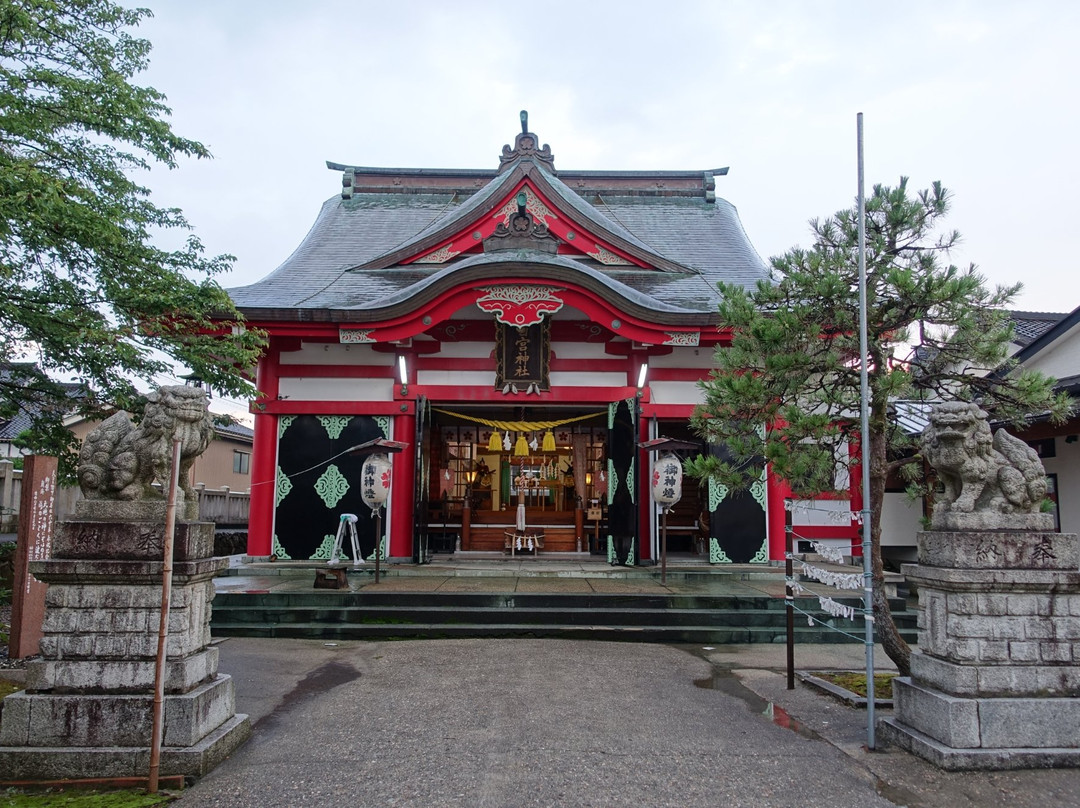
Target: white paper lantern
667 479
375 481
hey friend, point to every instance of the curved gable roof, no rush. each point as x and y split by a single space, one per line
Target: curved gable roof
359 260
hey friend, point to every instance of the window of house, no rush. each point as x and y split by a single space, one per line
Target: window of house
241 462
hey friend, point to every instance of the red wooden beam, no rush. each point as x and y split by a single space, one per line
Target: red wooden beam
290 407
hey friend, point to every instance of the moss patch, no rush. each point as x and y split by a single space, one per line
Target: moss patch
78 798
856 682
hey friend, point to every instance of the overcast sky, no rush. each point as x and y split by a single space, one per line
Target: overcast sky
981 95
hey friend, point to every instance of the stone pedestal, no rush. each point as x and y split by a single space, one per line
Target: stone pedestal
995 682
88 707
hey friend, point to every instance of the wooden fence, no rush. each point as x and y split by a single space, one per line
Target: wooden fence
223 506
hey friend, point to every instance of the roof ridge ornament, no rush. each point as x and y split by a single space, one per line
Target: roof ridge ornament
525 147
521 231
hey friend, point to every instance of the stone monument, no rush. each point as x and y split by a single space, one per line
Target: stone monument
995 681
87 711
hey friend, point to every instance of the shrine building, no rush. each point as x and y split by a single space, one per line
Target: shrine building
522 329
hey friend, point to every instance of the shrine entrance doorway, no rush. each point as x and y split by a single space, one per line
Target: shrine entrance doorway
486 462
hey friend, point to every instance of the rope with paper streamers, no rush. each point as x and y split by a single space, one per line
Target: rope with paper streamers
832 554
519 426
827 604
836 516
836 580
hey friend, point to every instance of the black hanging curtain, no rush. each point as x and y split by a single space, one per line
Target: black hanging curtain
622 470
317 483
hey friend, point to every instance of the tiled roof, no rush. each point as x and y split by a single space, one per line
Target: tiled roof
1028 326
1069 384
238 431
696 240
29 409
13 427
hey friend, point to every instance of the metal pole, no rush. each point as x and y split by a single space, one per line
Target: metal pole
663 546
789 594
378 541
864 416
163 626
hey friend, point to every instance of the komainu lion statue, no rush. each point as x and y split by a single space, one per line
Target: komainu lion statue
121 461
983 472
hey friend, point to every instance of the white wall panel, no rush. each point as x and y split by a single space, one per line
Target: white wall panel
684 358
900 517
456 377
574 379
1066 465
676 393
1062 359
302 389
580 350
314 353
464 350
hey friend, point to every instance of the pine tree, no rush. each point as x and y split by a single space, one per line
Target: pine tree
793 363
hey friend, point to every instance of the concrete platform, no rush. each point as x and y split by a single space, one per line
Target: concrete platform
684 575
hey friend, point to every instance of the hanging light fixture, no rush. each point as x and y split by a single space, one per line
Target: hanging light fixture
549 441
521 448
495 442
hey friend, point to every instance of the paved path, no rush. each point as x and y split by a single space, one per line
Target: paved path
515 723
493 723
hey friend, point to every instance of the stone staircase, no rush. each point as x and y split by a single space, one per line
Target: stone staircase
374 615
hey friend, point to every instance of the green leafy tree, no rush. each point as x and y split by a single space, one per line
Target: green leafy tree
793 363
87 292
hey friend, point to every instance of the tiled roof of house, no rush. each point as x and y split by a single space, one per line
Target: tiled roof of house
347 263
237 431
1028 326
28 409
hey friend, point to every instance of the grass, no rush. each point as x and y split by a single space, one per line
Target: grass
856 682
7 688
79 798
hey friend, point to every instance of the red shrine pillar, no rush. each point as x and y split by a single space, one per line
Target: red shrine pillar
776 491
857 503
264 458
404 485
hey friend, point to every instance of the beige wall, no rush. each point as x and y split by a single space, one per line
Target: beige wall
215 466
